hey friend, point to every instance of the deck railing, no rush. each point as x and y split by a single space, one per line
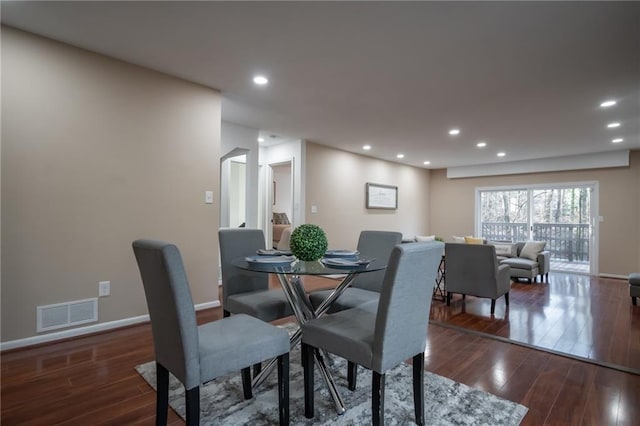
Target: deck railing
565 241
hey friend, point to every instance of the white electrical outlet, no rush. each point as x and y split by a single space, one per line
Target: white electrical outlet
208 197
104 288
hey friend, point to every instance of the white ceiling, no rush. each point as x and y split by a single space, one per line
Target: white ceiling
526 77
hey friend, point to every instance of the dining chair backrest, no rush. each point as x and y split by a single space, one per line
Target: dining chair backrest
405 301
375 245
173 317
236 243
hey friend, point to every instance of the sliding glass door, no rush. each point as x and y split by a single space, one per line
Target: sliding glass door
562 215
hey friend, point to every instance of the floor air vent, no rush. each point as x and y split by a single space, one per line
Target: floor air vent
60 315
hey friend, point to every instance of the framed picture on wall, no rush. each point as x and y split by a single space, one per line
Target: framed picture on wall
382 196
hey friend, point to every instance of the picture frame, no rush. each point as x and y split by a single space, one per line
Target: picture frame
381 196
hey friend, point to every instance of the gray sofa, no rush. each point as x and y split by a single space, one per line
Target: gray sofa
522 264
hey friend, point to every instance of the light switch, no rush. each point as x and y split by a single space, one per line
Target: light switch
208 197
314 209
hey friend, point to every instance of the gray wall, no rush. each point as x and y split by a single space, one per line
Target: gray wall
96 153
336 185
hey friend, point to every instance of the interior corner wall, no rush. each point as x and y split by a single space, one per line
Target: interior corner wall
95 154
336 182
453 208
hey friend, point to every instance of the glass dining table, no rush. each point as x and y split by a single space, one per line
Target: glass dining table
290 272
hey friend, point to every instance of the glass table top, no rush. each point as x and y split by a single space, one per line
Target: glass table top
292 266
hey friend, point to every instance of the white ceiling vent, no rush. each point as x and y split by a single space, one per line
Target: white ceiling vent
60 315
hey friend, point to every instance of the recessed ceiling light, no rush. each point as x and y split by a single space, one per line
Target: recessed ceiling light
617 140
260 80
607 104
260 139
366 147
481 144
613 125
454 132
400 155
501 154
426 163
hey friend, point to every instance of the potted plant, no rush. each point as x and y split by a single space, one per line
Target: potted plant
308 242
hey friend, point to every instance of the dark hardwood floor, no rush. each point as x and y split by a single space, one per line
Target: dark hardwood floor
91 380
584 316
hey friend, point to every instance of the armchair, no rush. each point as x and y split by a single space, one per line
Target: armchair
473 269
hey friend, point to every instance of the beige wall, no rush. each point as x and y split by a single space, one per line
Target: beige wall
97 153
335 183
452 208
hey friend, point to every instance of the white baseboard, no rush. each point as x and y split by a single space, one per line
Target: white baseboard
95 328
620 277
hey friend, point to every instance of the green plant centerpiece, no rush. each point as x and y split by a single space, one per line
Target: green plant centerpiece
308 242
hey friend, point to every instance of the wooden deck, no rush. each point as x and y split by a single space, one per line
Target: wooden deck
569 267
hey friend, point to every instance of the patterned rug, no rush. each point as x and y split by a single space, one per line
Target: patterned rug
446 401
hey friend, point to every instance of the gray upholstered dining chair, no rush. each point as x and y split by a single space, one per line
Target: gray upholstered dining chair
365 287
380 340
197 354
473 269
247 292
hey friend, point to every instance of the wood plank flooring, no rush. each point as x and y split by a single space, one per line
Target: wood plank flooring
576 314
91 380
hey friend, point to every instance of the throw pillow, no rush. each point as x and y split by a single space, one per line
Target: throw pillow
280 219
507 250
474 240
458 239
421 238
531 249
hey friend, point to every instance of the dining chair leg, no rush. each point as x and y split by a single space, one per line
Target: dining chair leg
418 387
448 298
307 365
283 389
493 306
377 399
352 375
506 298
246 383
193 406
162 394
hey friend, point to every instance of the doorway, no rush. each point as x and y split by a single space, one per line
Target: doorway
281 198
562 215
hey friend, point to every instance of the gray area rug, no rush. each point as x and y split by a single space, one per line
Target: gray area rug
446 402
